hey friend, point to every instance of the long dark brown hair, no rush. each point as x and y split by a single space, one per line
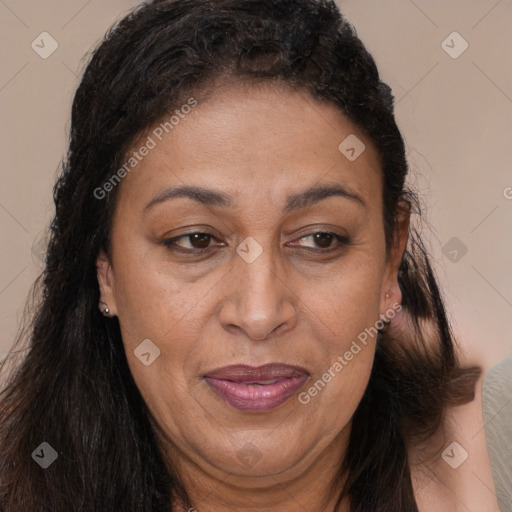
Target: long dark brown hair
71 385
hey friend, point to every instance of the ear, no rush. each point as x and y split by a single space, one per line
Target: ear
390 285
105 274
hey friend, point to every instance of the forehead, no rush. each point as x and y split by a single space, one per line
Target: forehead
247 139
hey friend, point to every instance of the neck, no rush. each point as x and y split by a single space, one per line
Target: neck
310 489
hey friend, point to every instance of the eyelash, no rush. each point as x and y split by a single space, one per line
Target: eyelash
342 240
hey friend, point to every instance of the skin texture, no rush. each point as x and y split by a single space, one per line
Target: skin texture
290 305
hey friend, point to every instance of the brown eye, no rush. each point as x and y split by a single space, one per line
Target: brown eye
200 240
191 242
324 240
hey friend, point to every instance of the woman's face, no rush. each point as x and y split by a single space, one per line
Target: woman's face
266 291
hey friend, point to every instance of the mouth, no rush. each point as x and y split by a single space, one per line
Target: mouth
256 389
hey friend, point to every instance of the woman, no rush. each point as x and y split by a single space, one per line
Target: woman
236 313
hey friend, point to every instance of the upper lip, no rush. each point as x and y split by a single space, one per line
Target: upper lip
246 373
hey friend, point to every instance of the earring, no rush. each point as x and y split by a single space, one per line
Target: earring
383 316
106 311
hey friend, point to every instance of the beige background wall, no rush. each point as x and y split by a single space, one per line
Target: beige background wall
455 114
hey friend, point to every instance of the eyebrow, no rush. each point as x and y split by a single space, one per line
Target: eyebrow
296 201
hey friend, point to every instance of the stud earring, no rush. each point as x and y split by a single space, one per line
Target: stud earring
106 311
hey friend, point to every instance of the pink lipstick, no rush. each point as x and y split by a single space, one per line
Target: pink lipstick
256 388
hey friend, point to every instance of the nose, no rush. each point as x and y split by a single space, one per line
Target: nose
259 301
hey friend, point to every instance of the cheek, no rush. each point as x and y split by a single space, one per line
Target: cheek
152 301
349 313
348 300
335 390
154 306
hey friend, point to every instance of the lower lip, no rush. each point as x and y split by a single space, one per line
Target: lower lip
257 398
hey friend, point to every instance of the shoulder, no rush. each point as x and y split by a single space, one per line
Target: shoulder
497 414
452 471
497 385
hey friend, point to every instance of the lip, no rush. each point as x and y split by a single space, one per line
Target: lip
247 388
